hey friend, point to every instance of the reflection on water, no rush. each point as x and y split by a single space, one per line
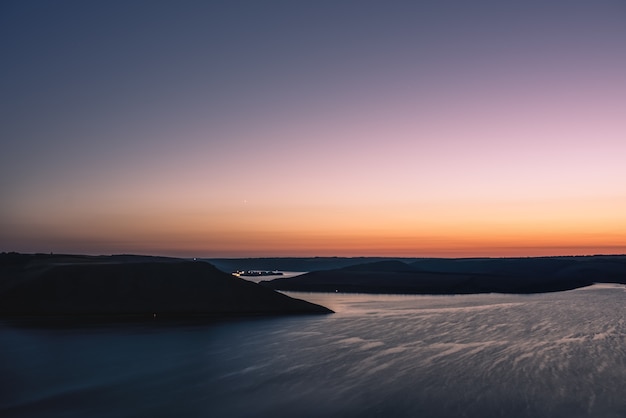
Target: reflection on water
560 354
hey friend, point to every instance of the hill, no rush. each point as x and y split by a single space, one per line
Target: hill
131 285
462 276
294 263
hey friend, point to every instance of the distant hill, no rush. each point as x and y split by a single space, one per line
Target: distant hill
294 263
131 285
462 276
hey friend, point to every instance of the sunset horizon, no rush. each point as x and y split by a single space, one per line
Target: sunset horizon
219 129
322 208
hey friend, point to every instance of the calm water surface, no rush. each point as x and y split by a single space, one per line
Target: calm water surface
551 355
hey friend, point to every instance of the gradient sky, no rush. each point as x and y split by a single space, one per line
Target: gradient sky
303 128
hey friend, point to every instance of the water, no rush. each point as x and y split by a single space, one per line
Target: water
550 355
284 275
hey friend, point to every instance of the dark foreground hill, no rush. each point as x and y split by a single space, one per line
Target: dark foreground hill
132 285
462 276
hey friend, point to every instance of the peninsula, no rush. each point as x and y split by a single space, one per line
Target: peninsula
127 285
462 275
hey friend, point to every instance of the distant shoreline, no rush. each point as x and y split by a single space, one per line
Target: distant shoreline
461 276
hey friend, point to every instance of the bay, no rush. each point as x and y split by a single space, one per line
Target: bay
547 355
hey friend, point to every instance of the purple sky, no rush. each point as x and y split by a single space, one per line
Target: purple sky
313 128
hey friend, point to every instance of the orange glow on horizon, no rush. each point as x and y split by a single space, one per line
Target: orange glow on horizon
435 229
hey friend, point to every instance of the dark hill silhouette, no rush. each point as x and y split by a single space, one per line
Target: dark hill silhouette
382 266
294 263
132 285
462 276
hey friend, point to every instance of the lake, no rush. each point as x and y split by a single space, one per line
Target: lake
546 355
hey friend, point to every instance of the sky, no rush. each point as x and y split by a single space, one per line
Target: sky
313 128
